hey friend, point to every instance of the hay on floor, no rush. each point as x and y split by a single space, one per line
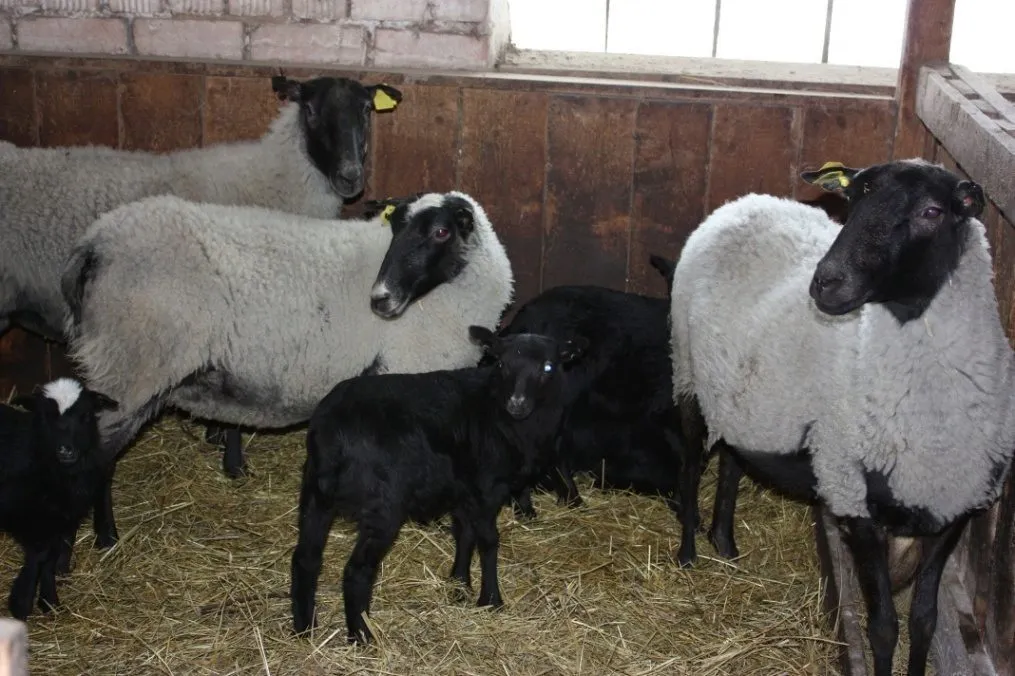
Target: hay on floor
199 584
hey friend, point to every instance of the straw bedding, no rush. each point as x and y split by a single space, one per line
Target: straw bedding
199 585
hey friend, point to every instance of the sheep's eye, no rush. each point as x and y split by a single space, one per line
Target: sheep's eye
866 188
931 212
548 367
441 234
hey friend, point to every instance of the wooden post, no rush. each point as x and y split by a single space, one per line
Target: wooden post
927 40
13 648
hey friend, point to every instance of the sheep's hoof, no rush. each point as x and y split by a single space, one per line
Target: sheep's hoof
725 546
235 472
525 513
494 603
105 540
48 605
363 637
685 556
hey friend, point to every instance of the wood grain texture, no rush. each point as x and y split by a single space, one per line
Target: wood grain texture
23 363
503 166
590 153
416 144
77 108
161 111
927 39
753 150
17 107
237 108
671 157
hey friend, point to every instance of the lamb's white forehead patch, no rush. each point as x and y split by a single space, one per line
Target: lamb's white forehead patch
433 199
64 391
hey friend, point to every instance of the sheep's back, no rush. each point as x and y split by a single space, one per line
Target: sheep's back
741 282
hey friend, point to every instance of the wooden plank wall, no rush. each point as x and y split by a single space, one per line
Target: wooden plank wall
988 546
583 179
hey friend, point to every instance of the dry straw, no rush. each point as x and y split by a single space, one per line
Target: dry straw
199 585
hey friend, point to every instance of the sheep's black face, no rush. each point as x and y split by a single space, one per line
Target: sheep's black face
529 365
335 117
429 238
904 235
67 428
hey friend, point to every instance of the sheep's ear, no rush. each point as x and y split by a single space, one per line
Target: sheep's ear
574 349
286 89
664 266
482 336
102 402
832 176
465 220
384 97
968 200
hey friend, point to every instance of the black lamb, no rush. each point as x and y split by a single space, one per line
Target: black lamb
383 449
50 470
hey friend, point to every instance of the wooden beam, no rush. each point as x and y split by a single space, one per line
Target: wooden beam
927 40
983 148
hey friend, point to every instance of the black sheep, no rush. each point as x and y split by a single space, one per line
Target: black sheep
50 470
383 449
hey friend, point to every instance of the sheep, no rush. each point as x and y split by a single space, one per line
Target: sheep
384 449
621 425
156 320
865 368
49 472
307 163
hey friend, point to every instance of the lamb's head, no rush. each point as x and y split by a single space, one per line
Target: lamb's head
335 116
65 425
903 237
430 239
529 368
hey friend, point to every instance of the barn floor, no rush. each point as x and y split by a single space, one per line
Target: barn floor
199 585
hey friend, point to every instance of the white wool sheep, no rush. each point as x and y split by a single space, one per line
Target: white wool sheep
248 316
311 157
876 351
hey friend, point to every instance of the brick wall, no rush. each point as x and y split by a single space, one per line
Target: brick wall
445 34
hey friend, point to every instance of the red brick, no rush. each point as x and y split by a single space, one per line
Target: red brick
189 38
98 36
308 43
389 10
444 50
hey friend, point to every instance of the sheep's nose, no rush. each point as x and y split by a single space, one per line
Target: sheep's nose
380 293
824 282
519 406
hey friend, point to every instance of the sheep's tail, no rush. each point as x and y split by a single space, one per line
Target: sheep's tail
79 269
665 267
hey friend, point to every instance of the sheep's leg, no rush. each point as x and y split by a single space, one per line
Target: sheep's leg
692 425
522 504
465 544
48 599
375 539
869 546
488 540
721 532
232 458
562 478
315 524
923 607
22 596
65 551
103 520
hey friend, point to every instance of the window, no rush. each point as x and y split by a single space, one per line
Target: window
845 32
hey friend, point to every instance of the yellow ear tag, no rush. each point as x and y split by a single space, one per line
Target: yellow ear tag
832 171
382 101
386 214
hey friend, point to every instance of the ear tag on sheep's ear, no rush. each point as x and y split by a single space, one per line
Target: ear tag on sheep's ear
831 176
386 214
382 101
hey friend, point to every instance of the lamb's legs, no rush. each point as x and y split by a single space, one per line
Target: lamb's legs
232 457
65 550
869 546
522 504
923 608
315 524
721 532
692 425
487 540
48 599
103 520
22 596
374 541
465 544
